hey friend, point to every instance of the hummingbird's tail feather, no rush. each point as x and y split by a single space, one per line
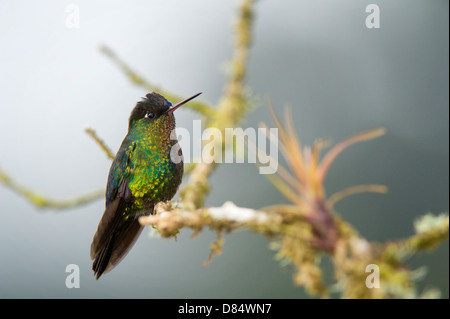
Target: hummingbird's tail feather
102 259
116 233
116 248
107 227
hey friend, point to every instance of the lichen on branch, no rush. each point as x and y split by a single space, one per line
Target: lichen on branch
40 201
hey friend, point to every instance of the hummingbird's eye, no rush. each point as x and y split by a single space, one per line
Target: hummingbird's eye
150 115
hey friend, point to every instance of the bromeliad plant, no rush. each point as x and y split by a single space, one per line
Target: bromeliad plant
305 186
311 216
311 228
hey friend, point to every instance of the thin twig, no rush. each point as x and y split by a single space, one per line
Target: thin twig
135 78
100 142
41 201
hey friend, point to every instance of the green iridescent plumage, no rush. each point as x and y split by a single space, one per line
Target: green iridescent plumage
144 172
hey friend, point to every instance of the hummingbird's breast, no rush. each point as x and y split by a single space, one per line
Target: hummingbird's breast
155 176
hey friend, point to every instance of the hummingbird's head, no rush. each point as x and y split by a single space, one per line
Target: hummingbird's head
154 108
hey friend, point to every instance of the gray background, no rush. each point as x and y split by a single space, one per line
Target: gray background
340 78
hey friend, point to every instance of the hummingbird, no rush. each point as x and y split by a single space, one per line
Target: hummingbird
143 173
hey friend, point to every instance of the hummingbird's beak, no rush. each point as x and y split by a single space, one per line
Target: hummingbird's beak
173 108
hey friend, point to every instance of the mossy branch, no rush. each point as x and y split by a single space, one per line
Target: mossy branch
41 201
100 142
293 236
230 110
135 78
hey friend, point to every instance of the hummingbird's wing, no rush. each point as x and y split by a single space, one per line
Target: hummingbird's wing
111 219
116 234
